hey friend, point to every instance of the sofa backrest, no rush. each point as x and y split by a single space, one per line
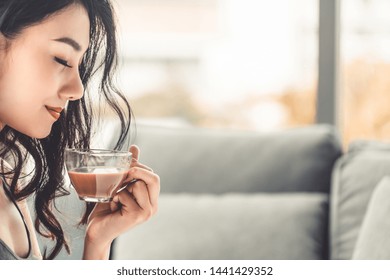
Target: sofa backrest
228 194
197 160
355 176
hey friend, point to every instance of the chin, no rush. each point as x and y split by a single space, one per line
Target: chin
42 134
37 133
33 129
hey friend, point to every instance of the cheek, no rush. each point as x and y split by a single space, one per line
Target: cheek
31 77
35 123
39 80
23 93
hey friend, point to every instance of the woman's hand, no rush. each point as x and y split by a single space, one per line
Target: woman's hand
130 207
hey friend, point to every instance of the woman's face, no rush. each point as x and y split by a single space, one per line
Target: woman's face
39 71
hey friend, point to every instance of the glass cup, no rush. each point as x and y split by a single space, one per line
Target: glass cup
97 174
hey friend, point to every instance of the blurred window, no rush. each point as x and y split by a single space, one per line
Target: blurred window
245 64
365 68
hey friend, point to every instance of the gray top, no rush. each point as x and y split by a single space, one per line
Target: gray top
6 252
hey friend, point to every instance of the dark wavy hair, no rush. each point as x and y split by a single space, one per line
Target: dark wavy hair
74 127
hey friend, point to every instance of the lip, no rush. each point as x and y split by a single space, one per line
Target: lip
55 112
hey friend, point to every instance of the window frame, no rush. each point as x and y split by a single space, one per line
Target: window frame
328 106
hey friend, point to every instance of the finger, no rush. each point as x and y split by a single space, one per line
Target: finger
126 201
136 164
151 180
103 209
141 195
135 152
127 185
140 165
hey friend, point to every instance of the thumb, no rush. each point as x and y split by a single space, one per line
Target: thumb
135 151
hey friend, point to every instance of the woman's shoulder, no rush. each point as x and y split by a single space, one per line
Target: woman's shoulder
9 216
7 207
25 210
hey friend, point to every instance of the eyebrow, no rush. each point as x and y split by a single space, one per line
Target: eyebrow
69 41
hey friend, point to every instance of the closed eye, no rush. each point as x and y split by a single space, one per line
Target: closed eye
62 62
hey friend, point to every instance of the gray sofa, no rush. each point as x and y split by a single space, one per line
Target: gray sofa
247 195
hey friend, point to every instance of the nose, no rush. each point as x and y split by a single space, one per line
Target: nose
73 89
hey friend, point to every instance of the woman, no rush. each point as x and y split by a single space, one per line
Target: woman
49 50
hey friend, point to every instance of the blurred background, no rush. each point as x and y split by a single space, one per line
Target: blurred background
258 65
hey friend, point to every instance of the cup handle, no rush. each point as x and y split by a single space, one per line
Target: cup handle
128 184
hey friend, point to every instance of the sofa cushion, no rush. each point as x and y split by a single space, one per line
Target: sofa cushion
373 242
354 178
231 226
195 160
